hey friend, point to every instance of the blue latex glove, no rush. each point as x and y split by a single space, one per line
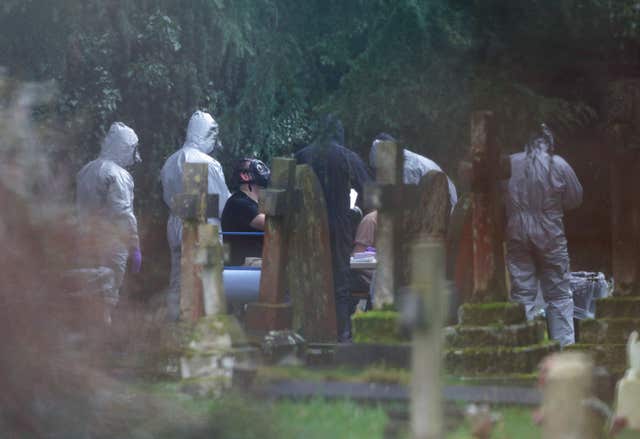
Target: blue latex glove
135 257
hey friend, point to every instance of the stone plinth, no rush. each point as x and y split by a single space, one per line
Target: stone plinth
605 336
217 347
495 339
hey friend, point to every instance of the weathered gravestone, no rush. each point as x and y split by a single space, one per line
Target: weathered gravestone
273 311
296 258
493 336
425 214
193 206
216 341
569 408
404 213
419 212
428 286
383 197
617 316
309 266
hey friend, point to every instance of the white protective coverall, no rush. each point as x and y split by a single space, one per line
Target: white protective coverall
542 186
416 167
202 138
104 198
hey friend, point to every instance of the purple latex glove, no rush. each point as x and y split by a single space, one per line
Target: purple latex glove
135 257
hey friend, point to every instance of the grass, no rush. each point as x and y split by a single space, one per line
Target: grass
322 419
516 423
239 416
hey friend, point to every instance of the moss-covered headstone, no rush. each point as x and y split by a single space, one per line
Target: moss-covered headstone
493 336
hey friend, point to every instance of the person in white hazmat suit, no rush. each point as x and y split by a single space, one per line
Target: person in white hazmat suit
201 140
104 198
541 188
415 166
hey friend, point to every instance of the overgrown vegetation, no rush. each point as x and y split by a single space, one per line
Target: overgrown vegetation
266 68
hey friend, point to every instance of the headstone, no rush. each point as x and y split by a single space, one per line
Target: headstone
310 270
194 206
425 212
382 196
488 167
428 285
628 388
210 258
493 337
273 311
623 140
568 387
617 316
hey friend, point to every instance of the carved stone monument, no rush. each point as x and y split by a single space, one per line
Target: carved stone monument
628 388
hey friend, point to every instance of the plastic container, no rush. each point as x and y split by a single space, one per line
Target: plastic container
586 288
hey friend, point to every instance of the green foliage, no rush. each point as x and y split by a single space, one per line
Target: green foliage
265 69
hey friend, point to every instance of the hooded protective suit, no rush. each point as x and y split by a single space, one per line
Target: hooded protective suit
542 186
104 198
202 138
416 167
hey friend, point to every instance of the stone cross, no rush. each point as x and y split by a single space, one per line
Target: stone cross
383 195
210 258
193 206
272 312
429 291
488 167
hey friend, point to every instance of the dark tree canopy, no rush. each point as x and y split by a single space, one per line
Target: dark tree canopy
266 69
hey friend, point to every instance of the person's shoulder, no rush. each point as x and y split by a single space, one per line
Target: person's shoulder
240 198
88 166
194 155
112 172
303 153
559 159
371 217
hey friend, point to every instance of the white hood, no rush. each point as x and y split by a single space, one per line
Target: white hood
202 133
119 145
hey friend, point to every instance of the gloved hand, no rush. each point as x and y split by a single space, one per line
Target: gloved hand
135 257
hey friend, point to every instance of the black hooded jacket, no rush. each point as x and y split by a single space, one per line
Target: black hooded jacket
338 169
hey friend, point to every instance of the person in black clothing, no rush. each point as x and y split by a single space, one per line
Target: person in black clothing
338 169
241 213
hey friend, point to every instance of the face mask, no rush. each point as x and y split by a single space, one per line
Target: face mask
136 155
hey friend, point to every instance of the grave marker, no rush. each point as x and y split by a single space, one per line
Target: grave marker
621 134
488 167
568 390
383 196
310 271
428 284
493 336
193 206
272 312
210 258
425 212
